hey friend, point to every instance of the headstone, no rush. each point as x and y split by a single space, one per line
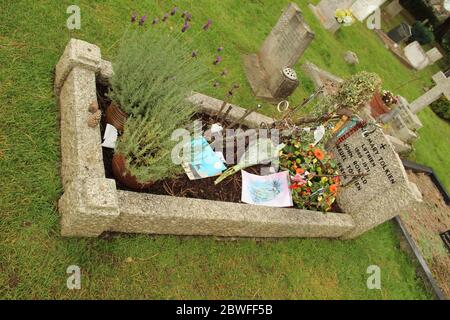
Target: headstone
394 8
269 71
442 88
411 120
400 33
399 146
351 58
325 12
416 56
380 195
399 129
403 111
361 9
434 55
321 78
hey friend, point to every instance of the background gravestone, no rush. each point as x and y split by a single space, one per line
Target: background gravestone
325 12
283 47
384 192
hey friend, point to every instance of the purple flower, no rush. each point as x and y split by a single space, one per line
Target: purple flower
174 10
185 26
142 21
187 16
165 17
155 21
134 17
218 60
219 49
207 25
194 54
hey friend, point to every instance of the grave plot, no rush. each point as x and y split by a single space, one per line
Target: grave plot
143 186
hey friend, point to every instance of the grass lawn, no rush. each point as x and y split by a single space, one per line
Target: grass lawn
34 258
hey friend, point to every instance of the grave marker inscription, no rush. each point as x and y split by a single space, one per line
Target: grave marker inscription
383 190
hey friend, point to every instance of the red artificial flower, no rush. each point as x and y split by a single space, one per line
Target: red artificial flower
319 154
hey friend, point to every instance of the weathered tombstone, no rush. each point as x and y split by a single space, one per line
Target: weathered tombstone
434 55
384 192
399 129
269 71
400 33
321 78
394 8
361 9
442 88
325 12
416 56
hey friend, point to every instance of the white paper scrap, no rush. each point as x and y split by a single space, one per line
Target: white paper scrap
110 137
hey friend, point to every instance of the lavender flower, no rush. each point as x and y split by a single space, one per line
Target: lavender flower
155 21
207 25
142 21
218 60
194 54
134 17
174 11
186 15
185 26
165 17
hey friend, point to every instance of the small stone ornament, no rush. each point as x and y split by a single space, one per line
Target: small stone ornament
94 119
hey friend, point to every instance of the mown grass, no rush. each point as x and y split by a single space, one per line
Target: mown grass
34 258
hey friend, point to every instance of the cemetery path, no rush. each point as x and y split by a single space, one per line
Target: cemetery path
425 223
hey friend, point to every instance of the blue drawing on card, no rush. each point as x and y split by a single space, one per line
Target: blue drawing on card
203 161
263 191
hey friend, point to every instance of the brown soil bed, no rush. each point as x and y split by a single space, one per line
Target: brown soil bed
228 190
425 223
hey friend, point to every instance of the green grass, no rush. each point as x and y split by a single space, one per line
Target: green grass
34 258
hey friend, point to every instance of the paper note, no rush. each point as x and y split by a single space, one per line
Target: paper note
271 190
110 137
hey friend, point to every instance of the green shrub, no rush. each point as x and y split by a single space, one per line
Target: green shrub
421 33
352 94
152 66
154 73
442 108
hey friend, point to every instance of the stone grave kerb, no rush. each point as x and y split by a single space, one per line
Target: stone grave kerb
89 205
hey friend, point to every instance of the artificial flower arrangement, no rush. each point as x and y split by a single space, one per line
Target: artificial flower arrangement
388 98
314 178
344 17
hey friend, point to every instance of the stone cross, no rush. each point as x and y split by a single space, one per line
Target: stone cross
384 190
442 88
282 49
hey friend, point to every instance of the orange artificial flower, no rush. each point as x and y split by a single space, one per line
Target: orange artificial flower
319 154
299 171
333 188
